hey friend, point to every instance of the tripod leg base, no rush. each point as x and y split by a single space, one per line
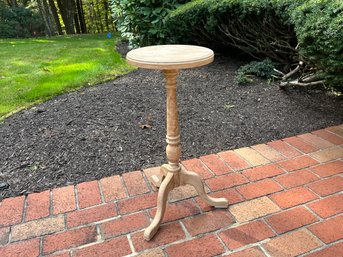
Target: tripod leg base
166 186
172 180
192 178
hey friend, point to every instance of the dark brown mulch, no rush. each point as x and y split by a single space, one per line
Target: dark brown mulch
96 132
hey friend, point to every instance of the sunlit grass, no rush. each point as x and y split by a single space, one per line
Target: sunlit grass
34 70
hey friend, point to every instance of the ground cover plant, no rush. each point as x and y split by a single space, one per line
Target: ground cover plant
34 70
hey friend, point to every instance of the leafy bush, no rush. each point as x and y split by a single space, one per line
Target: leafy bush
264 69
19 22
253 26
319 30
304 32
142 21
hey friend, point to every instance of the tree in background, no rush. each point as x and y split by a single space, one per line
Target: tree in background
57 16
18 21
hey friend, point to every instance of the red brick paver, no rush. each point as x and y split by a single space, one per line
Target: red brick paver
263 172
69 239
285 149
63 199
113 248
169 233
331 251
329 206
293 197
124 224
89 215
226 181
133 182
178 210
285 199
234 160
29 248
205 246
328 154
329 169
298 163
250 252
300 144
260 188
88 194
292 244
329 136
199 167
268 152
11 211
112 188
207 222
38 205
297 178
327 186
329 230
214 163
291 219
246 234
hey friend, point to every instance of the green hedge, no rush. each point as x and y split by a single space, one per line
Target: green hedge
287 31
142 21
319 29
257 27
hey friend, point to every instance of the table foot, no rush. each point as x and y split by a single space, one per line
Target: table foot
156 179
166 186
192 178
172 180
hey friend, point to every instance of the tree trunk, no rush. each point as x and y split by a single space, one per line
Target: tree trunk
77 23
67 10
99 16
55 15
91 18
44 15
81 16
94 15
49 17
106 14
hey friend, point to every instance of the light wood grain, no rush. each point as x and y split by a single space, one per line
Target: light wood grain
169 57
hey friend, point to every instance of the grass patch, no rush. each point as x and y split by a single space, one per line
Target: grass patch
34 70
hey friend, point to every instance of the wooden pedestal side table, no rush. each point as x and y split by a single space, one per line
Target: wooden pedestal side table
170 59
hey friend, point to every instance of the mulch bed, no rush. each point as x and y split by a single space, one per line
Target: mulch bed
105 130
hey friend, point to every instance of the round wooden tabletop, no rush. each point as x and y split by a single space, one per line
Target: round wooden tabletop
170 57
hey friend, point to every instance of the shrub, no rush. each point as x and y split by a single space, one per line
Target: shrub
319 30
142 21
264 69
19 22
255 27
287 31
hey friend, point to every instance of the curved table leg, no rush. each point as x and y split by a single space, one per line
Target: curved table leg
166 186
192 178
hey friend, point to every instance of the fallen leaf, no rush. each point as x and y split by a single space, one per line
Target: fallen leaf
145 126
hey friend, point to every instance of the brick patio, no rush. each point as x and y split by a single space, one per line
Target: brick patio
285 200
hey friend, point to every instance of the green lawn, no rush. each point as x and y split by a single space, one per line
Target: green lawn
34 70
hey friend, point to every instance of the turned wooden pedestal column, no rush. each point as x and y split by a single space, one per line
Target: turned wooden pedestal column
169 59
